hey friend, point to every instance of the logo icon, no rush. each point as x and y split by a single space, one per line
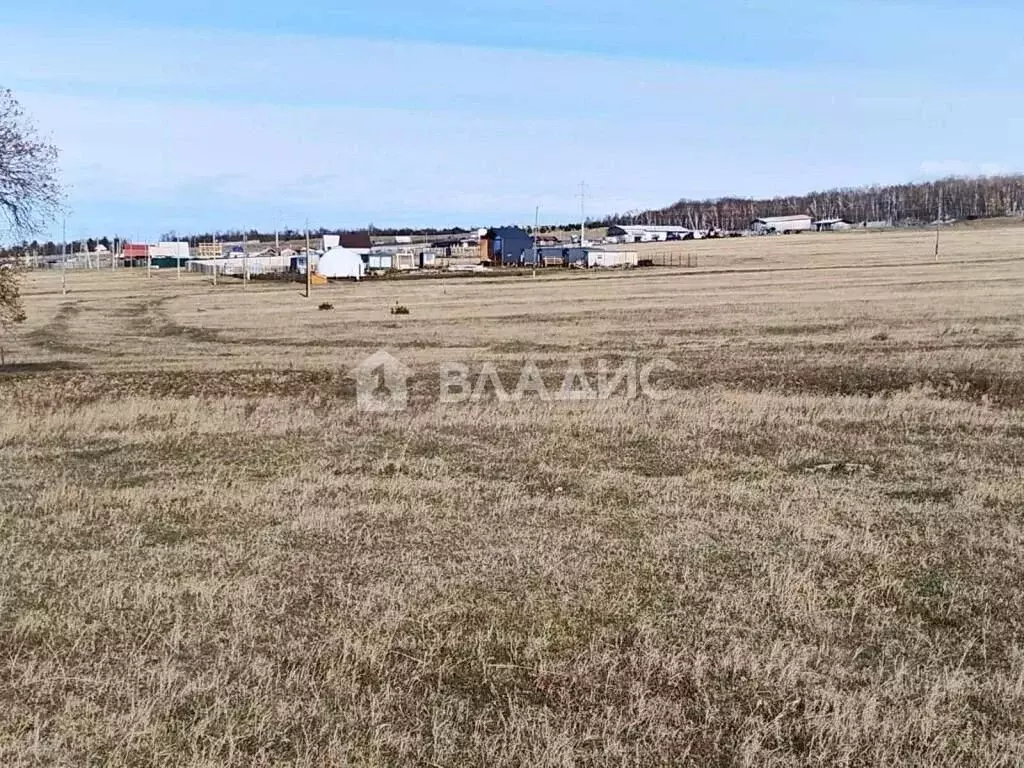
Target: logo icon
382 384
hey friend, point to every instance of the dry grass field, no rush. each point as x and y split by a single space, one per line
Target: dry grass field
809 555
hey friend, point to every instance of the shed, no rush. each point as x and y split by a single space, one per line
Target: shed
297 261
562 255
342 263
405 260
786 225
134 253
832 225
609 259
379 261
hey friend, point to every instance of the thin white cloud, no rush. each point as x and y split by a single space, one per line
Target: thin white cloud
349 130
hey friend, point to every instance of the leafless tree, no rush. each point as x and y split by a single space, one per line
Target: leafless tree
30 192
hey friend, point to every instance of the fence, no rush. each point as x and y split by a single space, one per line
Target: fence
669 259
257 265
78 261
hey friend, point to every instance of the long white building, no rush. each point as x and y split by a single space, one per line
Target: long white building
783 225
649 233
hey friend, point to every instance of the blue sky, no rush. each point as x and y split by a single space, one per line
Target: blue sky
195 115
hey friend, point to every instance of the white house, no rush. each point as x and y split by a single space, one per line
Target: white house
341 263
784 225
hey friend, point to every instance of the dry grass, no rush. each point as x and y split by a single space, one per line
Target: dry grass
808 556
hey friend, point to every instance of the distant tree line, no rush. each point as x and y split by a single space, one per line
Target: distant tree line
903 204
50 248
907 204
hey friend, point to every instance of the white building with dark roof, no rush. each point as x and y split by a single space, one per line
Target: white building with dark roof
783 225
649 233
832 225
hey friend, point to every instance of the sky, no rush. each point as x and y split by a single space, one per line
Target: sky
194 116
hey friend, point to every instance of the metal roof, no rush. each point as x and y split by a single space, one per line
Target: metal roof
780 219
356 240
649 228
506 231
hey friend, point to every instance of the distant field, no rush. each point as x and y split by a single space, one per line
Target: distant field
808 555
972 240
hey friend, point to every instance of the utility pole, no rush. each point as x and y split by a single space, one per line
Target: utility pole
64 256
309 265
245 260
583 212
536 226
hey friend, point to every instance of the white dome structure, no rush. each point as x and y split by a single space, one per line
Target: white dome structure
341 263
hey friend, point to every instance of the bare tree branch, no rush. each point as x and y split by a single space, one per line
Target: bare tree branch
30 193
